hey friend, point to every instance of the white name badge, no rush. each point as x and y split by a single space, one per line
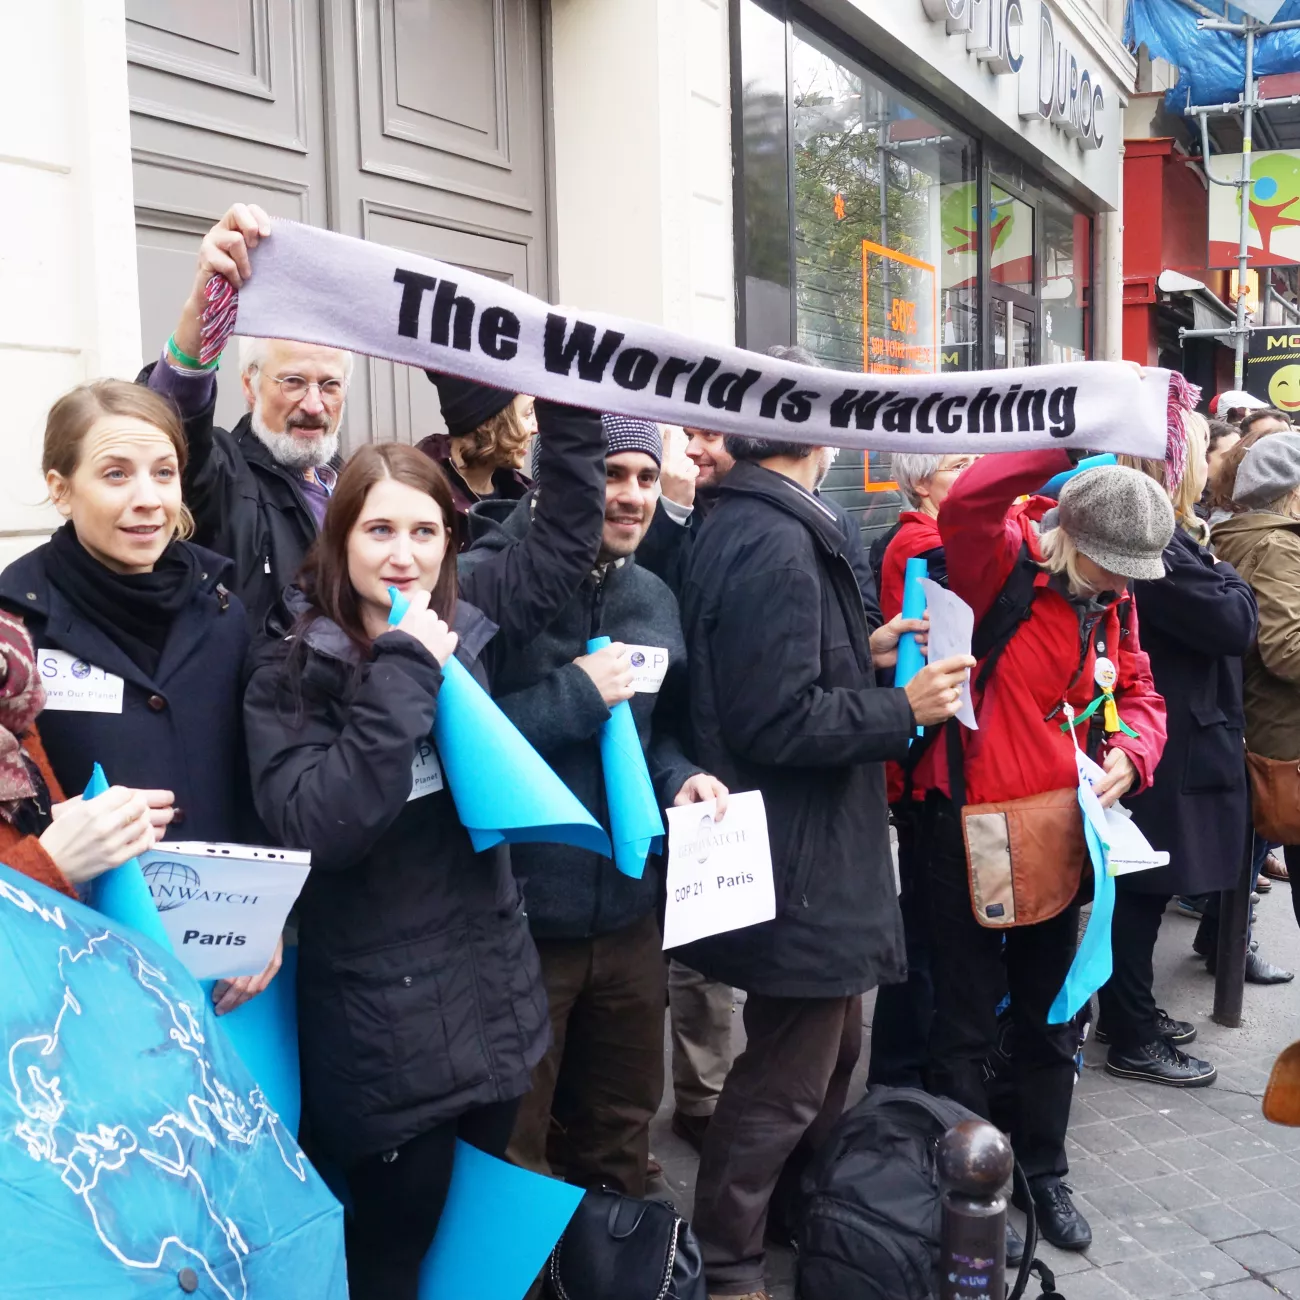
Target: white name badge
426 772
72 683
649 664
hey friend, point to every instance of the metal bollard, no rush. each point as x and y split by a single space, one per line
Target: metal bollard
975 1162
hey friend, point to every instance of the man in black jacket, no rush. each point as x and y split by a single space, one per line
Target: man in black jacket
596 929
258 491
784 700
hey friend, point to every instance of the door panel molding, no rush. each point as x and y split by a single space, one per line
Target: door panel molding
265 104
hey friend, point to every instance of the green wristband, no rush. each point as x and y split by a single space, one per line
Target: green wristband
189 362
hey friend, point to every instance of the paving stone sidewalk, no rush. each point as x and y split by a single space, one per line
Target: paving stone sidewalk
1189 1192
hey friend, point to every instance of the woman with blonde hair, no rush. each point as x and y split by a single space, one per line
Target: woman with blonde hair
485 448
1197 621
139 644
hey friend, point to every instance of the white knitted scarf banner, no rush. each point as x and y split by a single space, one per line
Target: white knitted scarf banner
315 286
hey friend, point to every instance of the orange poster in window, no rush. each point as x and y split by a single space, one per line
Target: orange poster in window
900 323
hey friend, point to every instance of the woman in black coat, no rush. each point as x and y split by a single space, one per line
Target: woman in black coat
138 642
1197 621
421 1006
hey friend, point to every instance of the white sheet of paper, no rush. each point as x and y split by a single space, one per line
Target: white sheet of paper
72 683
1092 809
1130 850
952 625
649 664
719 873
224 905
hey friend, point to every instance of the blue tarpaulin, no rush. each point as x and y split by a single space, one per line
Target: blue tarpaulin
1211 65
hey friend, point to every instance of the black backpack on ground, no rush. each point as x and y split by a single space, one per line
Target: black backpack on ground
869 1224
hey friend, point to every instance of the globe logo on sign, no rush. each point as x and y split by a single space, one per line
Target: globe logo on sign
638 659
80 668
171 883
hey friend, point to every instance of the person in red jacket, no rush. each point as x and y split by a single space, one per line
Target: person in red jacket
1111 526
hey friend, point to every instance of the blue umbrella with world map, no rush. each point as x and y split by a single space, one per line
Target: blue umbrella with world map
138 1156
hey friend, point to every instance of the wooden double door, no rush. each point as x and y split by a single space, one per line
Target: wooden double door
414 123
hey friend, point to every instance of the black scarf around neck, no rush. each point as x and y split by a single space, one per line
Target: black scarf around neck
135 610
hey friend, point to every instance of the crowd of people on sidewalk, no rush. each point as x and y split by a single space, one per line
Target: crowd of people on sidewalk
237 584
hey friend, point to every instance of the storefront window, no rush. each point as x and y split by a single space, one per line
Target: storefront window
886 236
765 168
1063 289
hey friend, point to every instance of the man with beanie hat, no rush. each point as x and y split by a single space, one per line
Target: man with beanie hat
597 931
482 453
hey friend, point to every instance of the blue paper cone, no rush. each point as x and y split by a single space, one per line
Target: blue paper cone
636 824
503 789
1094 959
497 1228
1054 485
123 893
910 658
264 1032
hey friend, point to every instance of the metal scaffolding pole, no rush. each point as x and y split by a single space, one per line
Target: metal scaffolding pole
1245 107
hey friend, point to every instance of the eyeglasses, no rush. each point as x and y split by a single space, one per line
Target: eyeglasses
295 387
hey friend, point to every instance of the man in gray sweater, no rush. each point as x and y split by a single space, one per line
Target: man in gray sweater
597 930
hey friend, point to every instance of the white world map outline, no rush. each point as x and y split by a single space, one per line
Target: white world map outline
214 1112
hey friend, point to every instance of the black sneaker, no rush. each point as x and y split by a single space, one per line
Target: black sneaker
1178 1032
1059 1223
1160 1062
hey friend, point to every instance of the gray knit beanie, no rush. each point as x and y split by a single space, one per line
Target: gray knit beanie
1269 470
1119 518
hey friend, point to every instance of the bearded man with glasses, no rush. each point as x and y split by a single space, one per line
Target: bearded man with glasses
258 491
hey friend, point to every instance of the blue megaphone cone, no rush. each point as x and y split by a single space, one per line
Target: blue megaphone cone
264 1032
123 894
504 790
635 821
1053 486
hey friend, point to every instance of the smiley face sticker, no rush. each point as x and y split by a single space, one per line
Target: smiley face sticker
1104 674
1284 389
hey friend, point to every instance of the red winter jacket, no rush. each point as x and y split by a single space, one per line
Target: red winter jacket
1020 748
918 533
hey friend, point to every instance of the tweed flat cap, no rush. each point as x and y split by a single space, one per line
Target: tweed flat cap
1119 518
1269 470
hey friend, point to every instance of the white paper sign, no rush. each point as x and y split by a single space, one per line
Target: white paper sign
649 664
426 772
72 683
719 873
1130 850
224 905
952 625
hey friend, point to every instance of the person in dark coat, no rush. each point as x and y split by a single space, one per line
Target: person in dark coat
139 641
784 701
1197 622
256 492
421 1006
685 505
596 929
484 448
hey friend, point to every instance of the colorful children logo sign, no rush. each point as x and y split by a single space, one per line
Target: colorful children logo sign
1273 200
